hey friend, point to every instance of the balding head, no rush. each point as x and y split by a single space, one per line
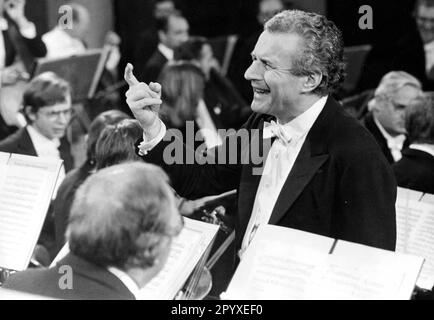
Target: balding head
124 216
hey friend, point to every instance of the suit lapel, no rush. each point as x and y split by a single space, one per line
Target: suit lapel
311 157
25 144
301 173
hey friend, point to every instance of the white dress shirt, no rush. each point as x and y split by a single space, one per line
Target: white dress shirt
278 165
60 44
394 144
429 56
428 148
166 51
126 280
47 148
28 32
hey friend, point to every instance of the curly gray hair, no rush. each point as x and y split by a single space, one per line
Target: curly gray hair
323 50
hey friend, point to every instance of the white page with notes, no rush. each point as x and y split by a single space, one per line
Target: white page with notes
26 187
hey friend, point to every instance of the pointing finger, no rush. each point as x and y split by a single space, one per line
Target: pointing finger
129 76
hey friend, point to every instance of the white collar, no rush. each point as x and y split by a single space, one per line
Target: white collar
3 24
40 140
166 51
300 126
126 280
428 148
398 139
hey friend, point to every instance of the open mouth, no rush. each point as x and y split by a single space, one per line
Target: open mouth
260 91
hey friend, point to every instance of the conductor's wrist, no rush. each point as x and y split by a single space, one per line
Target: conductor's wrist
152 131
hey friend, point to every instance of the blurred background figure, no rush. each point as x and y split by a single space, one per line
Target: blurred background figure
119 233
386 119
148 38
225 105
63 42
73 180
183 85
173 30
416 168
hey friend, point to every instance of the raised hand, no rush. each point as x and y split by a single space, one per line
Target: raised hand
15 10
144 102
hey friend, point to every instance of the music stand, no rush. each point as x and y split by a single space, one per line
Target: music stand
83 71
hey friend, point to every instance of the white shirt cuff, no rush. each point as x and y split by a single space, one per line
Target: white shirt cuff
29 31
147 146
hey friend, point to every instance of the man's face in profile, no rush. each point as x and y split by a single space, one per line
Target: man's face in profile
177 32
425 22
51 121
391 112
276 89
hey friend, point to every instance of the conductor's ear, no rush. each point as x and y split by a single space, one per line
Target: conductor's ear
312 82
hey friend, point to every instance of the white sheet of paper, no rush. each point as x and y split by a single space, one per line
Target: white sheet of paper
355 271
278 264
185 253
283 263
26 186
415 231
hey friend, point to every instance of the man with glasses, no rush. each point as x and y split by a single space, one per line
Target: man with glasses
47 109
386 119
122 223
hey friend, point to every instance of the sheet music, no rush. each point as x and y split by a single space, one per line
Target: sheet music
26 186
421 243
283 263
415 231
278 264
360 272
185 253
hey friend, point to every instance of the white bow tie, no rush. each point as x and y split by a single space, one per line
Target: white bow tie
396 143
273 129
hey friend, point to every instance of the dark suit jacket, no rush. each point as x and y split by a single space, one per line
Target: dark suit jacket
20 143
370 124
340 186
90 282
152 69
415 171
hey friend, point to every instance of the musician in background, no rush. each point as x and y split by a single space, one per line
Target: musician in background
122 223
47 109
386 119
18 39
416 168
74 179
225 105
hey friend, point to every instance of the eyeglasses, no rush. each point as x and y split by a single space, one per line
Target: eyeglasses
425 21
54 115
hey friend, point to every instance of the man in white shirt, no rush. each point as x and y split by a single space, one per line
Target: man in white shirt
47 109
63 42
122 223
172 32
323 174
386 121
